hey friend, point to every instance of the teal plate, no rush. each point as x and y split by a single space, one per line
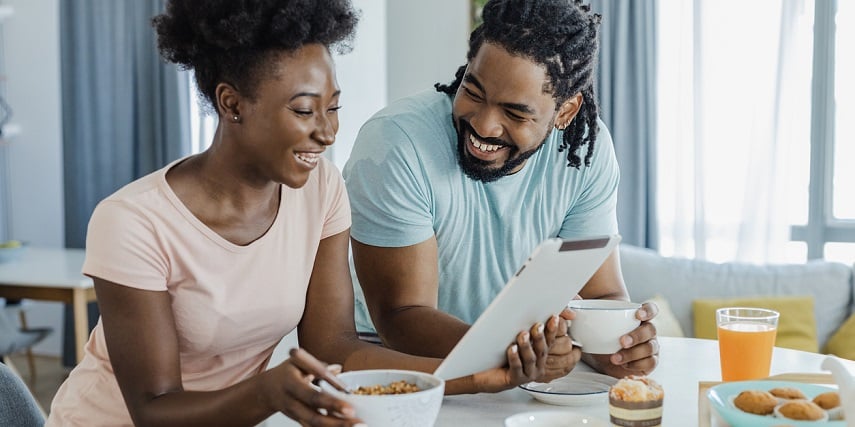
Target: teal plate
721 398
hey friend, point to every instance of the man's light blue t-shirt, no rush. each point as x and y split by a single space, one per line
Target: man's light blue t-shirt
405 185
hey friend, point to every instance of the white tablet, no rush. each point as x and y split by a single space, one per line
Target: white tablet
554 273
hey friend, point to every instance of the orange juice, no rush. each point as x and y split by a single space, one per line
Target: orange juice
745 350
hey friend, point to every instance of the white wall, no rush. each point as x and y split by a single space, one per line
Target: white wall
427 42
37 214
362 76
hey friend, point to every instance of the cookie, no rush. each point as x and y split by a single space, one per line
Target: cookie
788 393
801 410
755 402
827 400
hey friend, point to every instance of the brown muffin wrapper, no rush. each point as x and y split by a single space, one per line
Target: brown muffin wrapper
635 414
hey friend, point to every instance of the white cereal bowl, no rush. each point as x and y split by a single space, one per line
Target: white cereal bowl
418 409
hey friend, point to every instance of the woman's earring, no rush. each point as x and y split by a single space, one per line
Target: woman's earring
236 118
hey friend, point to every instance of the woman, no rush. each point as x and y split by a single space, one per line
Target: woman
202 267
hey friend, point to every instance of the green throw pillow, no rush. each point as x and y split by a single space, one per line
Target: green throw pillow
796 326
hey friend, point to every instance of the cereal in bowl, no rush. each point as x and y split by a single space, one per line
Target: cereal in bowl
397 387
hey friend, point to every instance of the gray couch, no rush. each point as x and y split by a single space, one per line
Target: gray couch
679 281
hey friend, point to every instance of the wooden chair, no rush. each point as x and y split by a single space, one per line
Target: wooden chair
14 340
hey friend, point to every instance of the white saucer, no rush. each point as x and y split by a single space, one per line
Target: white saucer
574 389
553 419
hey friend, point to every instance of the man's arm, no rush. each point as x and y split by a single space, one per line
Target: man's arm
401 287
607 281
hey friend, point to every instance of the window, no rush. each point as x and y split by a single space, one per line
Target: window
747 130
844 130
832 206
202 125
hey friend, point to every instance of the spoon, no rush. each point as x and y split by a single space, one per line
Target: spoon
334 381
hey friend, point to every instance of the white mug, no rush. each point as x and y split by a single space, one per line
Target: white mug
600 323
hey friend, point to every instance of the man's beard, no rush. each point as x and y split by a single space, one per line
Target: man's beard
481 170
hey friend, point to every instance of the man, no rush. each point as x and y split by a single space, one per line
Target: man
452 189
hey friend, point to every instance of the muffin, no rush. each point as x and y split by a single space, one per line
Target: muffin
755 402
787 393
636 401
830 401
801 410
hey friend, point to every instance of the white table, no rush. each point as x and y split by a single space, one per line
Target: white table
683 363
52 275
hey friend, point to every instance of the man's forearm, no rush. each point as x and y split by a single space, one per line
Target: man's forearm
423 331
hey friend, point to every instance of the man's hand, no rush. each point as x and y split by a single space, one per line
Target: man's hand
563 356
527 360
640 353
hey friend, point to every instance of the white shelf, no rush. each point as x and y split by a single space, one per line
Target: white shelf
5 11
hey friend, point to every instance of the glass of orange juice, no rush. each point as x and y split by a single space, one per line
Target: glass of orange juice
746 337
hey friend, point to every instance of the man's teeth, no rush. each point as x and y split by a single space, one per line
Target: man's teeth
482 146
308 157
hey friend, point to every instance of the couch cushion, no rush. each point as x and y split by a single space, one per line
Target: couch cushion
665 322
796 324
842 343
682 280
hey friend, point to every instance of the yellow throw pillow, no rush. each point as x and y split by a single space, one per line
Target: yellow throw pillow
796 326
842 343
666 322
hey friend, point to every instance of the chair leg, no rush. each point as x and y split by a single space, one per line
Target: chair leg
31 360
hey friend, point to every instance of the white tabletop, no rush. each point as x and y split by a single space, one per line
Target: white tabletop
42 267
683 363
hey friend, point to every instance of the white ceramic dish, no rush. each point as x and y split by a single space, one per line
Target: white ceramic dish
574 389
418 409
12 253
553 419
721 401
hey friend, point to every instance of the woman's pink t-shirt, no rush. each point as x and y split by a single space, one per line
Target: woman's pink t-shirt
232 304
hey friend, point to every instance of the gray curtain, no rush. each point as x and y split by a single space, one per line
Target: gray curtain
626 88
125 112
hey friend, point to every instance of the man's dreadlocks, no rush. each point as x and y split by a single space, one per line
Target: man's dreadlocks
562 36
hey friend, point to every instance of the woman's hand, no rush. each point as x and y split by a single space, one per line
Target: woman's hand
289 390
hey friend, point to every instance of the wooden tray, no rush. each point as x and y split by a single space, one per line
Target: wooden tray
704 403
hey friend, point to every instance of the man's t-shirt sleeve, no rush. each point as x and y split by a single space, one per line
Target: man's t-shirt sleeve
594 212
387 186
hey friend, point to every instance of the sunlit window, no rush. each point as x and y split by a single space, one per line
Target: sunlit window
844 100
840 252
734 128
202 126
756 130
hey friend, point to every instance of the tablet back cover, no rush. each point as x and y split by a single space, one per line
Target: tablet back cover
554 273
